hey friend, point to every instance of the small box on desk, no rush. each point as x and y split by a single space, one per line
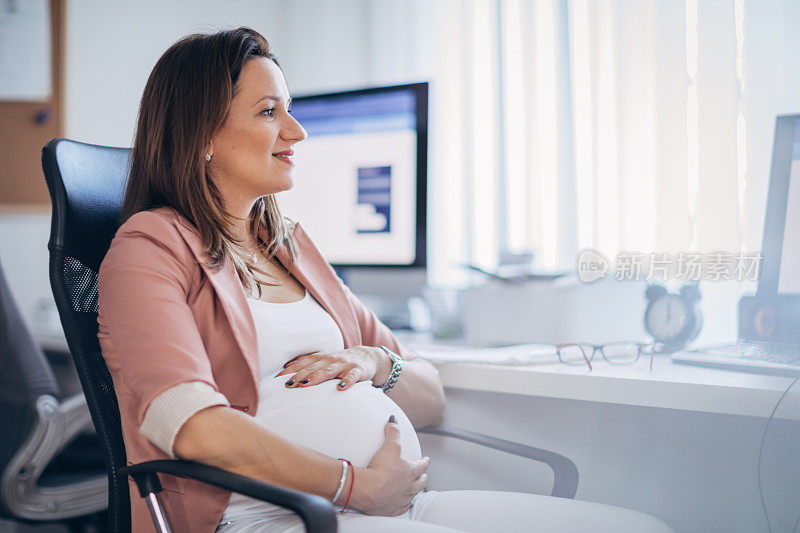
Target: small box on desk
564 310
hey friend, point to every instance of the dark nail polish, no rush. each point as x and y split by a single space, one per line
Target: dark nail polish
342 383
290 383
392 419
305 381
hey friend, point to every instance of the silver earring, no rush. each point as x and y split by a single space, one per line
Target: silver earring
208 157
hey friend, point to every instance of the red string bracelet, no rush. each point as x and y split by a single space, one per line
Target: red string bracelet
352 481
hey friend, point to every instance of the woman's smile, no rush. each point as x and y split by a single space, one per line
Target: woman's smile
285 157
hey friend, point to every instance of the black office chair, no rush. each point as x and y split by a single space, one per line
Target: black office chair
86 184
50 467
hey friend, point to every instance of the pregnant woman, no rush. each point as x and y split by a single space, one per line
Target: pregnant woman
233 343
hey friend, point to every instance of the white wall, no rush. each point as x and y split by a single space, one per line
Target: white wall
112 46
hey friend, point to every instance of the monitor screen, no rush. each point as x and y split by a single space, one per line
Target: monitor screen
360 176
780 268
789 273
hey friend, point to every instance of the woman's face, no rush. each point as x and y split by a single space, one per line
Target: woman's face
251 154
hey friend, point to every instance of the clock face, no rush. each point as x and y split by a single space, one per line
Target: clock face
667 317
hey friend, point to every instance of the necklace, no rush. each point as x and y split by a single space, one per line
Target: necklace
253 257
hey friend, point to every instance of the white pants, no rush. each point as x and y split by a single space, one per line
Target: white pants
475 511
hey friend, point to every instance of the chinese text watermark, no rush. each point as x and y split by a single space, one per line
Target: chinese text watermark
683 266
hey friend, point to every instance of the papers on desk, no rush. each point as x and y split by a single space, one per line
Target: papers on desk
522 354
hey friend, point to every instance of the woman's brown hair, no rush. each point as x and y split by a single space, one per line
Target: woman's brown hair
185 101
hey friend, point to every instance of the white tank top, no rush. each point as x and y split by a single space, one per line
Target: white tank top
347 424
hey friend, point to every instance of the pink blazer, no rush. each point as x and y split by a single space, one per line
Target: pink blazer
166 318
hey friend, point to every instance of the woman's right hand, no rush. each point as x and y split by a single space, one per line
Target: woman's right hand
389 483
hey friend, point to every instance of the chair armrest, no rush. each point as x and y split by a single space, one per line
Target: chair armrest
565 473
316 512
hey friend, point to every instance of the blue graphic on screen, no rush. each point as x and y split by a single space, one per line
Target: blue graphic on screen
374 199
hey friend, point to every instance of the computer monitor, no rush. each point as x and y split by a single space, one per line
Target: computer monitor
780 270
360 184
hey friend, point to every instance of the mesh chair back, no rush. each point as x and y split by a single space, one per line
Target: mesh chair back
87 185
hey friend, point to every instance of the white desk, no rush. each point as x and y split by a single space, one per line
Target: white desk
668 385
680 442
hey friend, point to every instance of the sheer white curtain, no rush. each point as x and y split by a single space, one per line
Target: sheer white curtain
627 125
643 155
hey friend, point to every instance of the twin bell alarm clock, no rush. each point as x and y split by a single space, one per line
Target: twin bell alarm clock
673 319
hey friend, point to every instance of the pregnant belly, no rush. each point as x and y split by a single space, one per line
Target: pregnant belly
347 424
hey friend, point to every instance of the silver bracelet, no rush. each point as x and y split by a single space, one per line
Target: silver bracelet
341 481
397 366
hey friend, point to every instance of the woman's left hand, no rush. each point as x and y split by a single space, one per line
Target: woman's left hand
359 363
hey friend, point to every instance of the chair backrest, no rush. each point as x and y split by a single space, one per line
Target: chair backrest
87 185
25 374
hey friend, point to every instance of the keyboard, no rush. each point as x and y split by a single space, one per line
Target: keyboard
751 356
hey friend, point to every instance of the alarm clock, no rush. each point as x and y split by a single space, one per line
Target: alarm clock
673 319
